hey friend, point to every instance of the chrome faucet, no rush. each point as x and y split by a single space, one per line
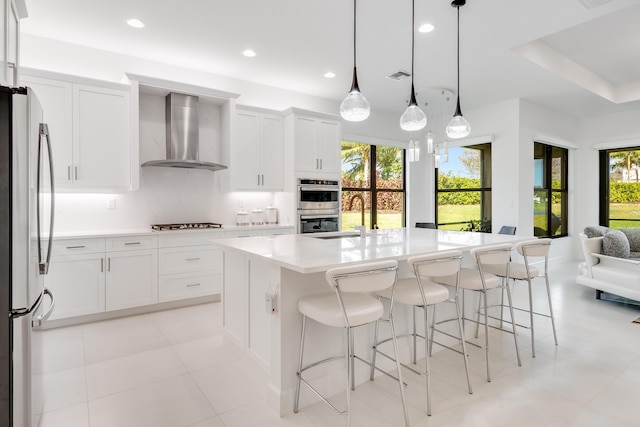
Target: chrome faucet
358 196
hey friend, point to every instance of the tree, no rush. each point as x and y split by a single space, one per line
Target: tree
356 157
470 159
627 160
389 162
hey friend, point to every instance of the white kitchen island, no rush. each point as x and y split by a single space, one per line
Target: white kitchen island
293 266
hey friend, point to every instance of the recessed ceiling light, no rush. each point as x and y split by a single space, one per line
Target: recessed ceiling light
249 53
426 28
330 74
135 23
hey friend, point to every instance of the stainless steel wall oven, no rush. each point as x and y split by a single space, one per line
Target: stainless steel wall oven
318 205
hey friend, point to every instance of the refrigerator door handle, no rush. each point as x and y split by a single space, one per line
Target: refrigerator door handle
37 321
44 132
14 313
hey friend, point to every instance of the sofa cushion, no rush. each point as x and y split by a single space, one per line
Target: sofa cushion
595 231
633 235
616 244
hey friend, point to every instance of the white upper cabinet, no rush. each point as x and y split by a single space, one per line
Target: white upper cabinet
90 128
257 153
102 155
11 11
316 143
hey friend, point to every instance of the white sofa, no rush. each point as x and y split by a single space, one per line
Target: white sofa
619 276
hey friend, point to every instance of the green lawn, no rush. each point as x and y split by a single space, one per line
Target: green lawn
450 213
628 211
385 220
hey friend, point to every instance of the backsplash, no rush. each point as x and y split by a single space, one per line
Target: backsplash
166 195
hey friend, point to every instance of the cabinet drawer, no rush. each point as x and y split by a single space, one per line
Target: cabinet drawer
182 286
189 259
77 246
188 238
131 243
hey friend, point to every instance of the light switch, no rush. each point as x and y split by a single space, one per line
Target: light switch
111 204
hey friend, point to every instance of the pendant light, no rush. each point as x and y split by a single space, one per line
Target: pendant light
354 107
413 118
458 127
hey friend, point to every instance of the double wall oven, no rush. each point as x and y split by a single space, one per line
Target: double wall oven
318 205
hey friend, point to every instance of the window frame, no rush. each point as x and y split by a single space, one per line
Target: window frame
484 190
374 190
604 159
550 191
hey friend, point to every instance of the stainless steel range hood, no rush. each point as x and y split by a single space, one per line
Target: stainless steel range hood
183 135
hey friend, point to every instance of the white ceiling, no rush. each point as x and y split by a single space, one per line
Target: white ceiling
580 57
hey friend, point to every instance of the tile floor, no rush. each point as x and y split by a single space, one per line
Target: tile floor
175 368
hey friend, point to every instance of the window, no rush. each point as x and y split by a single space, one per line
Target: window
378 199
463 189
620 188
550 172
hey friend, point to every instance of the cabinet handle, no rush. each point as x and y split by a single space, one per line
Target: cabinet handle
193 259
258 179
262 179
76 247
193 285
68 173
132 243
320 163
109 264
101 265
76 171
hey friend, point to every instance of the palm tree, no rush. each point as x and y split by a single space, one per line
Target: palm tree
626 160
356 157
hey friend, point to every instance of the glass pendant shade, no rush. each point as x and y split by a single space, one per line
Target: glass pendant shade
413 118
355 107
413 153
458 127
429 142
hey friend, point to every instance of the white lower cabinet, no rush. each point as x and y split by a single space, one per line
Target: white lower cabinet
101 274
78 283
132 279
189 266
89 276
189 272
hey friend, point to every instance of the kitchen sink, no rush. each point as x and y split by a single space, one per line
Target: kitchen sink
328 236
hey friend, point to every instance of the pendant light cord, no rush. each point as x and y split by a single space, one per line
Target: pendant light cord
458 50
354 33
413 11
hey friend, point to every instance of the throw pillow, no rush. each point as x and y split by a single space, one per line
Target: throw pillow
616 244
595 231
633 235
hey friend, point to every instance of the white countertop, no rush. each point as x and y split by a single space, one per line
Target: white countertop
306 253
146 231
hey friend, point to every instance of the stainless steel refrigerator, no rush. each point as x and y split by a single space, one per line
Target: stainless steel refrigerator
26 226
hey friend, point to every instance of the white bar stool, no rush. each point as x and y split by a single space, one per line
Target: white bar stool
421 291
530 250
481 281
352 305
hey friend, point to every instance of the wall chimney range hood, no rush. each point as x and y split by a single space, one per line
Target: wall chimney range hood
183 135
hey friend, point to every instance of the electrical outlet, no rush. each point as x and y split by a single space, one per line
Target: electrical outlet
271 301
111 204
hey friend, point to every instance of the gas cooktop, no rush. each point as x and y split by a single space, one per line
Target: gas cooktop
185 226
